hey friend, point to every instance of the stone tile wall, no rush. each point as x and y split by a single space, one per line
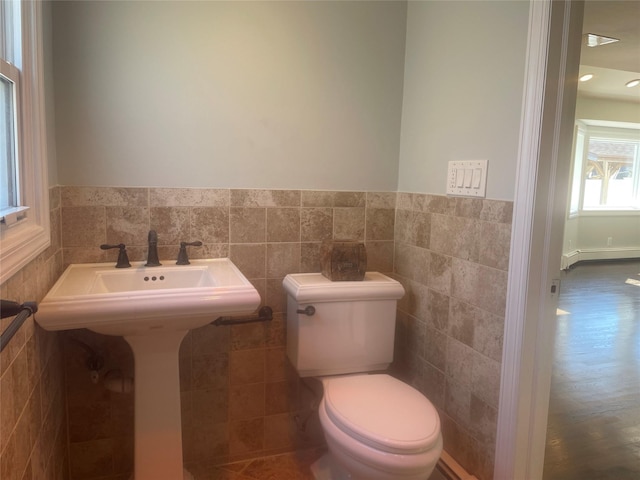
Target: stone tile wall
32 408
240 398
451 255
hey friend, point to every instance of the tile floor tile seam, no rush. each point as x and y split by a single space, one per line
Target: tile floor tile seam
242 474
285 455
227 467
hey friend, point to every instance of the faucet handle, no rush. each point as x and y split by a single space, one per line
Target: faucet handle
183 259
123 258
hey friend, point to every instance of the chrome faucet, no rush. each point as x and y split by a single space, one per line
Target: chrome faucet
152 256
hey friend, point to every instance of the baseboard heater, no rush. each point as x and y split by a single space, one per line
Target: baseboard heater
590 254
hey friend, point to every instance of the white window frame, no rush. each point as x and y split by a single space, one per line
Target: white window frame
11 74
24 237
613 130
577 154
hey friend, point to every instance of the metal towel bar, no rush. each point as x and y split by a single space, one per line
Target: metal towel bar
265 314
21 313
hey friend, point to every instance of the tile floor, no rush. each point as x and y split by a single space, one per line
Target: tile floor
288 466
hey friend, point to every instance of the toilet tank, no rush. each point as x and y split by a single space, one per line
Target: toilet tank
352 328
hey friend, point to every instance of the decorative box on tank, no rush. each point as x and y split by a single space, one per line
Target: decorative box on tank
343 260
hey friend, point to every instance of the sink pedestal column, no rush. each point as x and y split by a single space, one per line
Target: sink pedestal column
158 423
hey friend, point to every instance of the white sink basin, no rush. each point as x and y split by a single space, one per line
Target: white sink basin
120 281
141 299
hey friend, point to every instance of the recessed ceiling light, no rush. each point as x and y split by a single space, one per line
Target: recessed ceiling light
594 40
586 77
633 83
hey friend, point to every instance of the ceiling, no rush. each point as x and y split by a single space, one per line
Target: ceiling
616 63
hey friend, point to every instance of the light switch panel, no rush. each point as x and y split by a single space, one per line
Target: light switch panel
467 178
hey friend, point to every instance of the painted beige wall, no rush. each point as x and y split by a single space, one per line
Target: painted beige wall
464 75
49 93
624 230
592 232
229 94
606 109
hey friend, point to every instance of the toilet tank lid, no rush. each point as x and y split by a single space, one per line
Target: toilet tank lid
383 412
315 287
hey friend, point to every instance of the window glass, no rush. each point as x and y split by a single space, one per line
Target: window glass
8 193
610 173
606 169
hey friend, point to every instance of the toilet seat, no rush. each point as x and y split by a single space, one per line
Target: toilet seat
382 412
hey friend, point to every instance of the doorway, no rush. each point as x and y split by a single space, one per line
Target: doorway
537 236
593 428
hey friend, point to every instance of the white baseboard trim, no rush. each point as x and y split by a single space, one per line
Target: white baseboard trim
576 256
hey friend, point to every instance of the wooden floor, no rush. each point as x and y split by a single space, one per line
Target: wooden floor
594 412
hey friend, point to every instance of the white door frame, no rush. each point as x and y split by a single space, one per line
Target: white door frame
553 54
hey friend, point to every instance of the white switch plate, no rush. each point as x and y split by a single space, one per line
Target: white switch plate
467 178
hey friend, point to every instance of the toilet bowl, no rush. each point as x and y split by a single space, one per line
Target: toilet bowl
377 428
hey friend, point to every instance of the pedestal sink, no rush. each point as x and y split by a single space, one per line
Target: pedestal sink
153 308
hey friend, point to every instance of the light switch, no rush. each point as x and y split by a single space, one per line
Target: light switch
468 175
467 178
477 176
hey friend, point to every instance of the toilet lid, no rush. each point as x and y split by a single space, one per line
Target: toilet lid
382 412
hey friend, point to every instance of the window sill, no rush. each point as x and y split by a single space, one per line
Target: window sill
620 212
12 216
21 247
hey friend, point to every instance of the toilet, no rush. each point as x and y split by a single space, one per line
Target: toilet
342 333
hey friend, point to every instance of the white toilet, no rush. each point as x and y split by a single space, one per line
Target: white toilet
376 427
